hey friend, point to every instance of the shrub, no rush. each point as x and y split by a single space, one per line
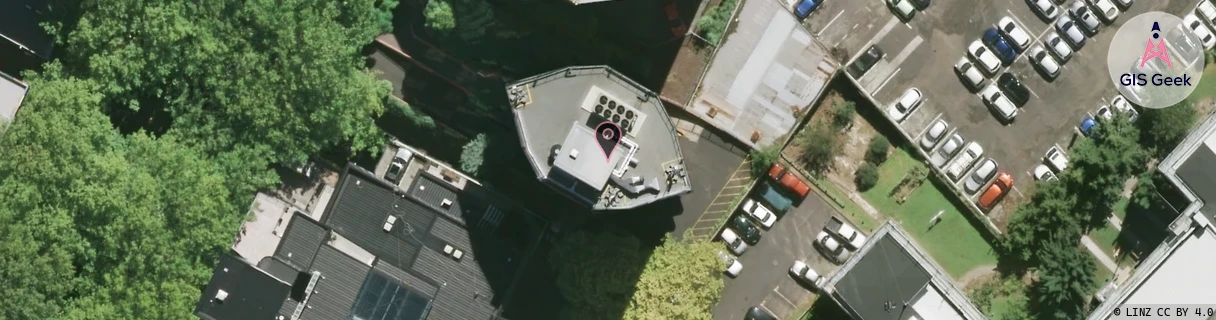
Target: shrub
713 24
473 155
866 176
842 114
879 148
762 159
438 15
819 145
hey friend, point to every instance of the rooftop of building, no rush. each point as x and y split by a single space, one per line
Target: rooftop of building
12 93
20 24
1178 272
556 114
891 278
761 77
239 290
1189 166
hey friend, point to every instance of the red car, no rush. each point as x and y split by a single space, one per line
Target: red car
788 180
998 188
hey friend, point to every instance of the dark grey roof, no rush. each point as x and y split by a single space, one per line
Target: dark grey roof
341 278
19 23
553 101
410 279
1199 174
431 193
882 281
252 293
300 241
279 269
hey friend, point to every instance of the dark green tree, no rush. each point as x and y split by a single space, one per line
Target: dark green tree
438 14
596 273
842 113
473 155
1164 128
819 145
866 176
682 280
1065 278
1100 166
878 150
764 158
1047 220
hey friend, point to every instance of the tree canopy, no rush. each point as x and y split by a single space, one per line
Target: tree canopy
682 280
1165 128
96 225
1066 277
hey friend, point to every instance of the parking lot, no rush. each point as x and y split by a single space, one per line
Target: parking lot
921 53
765 280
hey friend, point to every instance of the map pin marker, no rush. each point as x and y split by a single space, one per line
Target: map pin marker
608 134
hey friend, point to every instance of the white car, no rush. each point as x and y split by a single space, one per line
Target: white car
1056 159
936 131
1045 62
397 167
907 103
1070 31
831 248
848 233
1085 17
972 152
1125 3
1058 48
758 212
997 100
1120 103
1045 8
940 156
972 77
1192 22
1041 172
1104 112
1106 9
1015 34
1206 10
733 267
903 8
733 241
803 272
984 57
984 172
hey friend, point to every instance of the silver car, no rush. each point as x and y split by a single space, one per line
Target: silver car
1045 62
1085 17
1071 32
936 131
947 151
984 172
1058 47
972 77
999 102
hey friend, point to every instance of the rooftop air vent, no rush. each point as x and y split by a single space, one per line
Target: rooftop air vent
388 223
220 296
574 154
446 204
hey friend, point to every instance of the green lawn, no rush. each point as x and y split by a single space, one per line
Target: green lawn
1207 85
1009 305
1101 276
853 212
953 242
1120 208
1105 237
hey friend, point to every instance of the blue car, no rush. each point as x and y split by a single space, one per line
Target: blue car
1003 50
805 8
1087 125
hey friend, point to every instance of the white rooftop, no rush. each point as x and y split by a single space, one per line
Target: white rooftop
1186 276
932 305
12 92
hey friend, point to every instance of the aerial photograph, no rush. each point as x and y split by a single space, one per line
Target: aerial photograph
607 159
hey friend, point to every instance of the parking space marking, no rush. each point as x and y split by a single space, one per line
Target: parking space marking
1020 195
884 82
907 51
778 292
885 29
762 306
1036 95
829 24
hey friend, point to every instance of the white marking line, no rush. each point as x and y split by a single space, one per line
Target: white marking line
783 296
908 49
829 24
884 83
762 306
931 122
885 29
1015 189
1029 174
1036 95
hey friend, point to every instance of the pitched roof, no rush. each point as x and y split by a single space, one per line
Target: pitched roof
248 292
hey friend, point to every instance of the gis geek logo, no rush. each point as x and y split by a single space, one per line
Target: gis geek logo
1154 51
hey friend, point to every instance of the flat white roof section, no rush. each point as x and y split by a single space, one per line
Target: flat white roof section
932 305
12 92
1186 277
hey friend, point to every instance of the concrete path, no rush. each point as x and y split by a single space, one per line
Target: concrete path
1097 252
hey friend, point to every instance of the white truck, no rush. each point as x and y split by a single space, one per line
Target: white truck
958 168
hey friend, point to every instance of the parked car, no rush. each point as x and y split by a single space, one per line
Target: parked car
733 242
805 7
1207 11
1085 17
1120 103
965 160
1124 3
921 4
1013 89
733 266
1044 8
1087 125
934 134
907 103
972 77
852 238
1058 47
1106 9
1069 31
866 61
775 200
980 177
758 212
397 167
1014 33
832 248
999 103
984 57
1044 62
951 147
756 313
1003 49
1056 159
745 229
1041 173
802 271
788 180
1103 112
1205 35
1003 183
902 8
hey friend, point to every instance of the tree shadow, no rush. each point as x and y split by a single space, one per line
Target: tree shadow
1142 231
